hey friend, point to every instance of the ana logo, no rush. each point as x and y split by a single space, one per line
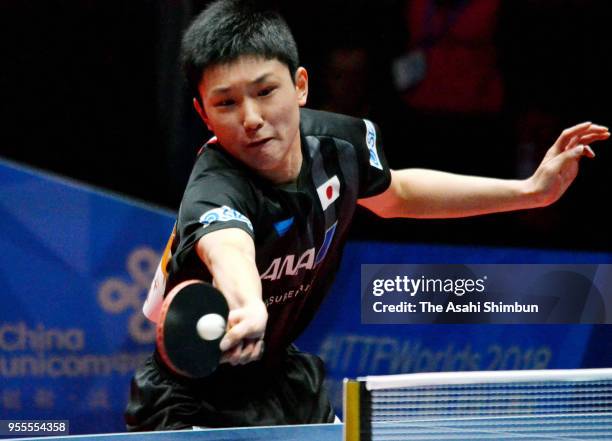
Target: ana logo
285 266
116 296
289 265
329 191
371 143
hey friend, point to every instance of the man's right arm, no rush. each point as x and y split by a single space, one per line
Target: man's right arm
229 255
433 194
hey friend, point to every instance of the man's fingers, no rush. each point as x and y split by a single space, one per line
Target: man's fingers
247 351
242 330
253 350
570 155
592 137
234 333
232 337
246 327
559 148
579 151
232 356
235 316
250 352
568 134
259 349
584 133
580 130
573 142
227 342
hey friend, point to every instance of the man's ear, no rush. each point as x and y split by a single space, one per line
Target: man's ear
301 85
200 109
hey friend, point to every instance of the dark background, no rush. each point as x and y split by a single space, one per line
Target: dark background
91 89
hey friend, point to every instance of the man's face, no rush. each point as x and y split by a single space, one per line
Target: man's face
252 106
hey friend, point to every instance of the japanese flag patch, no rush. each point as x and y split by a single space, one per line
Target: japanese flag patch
329 191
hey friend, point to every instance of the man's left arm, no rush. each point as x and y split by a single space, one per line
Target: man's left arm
420 193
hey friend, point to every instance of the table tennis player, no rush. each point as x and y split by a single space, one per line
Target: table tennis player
266 213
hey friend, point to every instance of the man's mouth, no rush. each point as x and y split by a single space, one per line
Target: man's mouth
258 143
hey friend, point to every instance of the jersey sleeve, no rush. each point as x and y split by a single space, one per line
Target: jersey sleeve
364 136
375 175
212 202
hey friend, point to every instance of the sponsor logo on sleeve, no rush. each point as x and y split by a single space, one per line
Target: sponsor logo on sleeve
329 191
224 214
371 143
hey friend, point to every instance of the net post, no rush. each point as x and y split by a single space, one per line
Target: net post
357 413
351 410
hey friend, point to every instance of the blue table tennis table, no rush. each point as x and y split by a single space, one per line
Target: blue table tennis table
318 432
576 427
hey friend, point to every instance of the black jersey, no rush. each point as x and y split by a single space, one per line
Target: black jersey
299 230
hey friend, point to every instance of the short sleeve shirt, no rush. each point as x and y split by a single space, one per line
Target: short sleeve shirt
299 230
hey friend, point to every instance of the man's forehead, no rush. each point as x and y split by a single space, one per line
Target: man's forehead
245 70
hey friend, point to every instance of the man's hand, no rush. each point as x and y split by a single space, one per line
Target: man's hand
559 167
243 342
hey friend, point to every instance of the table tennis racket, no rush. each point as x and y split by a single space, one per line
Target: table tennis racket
187 339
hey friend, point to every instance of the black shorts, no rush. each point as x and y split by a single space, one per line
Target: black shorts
290 391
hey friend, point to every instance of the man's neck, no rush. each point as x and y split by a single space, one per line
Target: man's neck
290 171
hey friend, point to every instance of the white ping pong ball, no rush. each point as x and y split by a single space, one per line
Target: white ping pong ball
210 326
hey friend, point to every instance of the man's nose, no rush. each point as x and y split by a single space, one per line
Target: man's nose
252 117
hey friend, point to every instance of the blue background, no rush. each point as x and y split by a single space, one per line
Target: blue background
75 264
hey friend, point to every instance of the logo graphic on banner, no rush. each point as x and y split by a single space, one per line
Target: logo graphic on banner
71 341
116 296
329 191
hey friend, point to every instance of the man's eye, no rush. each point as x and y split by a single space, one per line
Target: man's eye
267 91
225 103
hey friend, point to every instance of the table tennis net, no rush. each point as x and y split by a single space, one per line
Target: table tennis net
543 404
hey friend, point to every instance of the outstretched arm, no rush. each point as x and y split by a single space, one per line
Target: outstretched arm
229 255
423 193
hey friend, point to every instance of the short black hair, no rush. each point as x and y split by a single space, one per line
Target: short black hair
229 29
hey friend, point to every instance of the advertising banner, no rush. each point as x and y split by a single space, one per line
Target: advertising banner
76 264
74 269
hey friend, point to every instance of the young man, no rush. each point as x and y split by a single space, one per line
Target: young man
266 213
